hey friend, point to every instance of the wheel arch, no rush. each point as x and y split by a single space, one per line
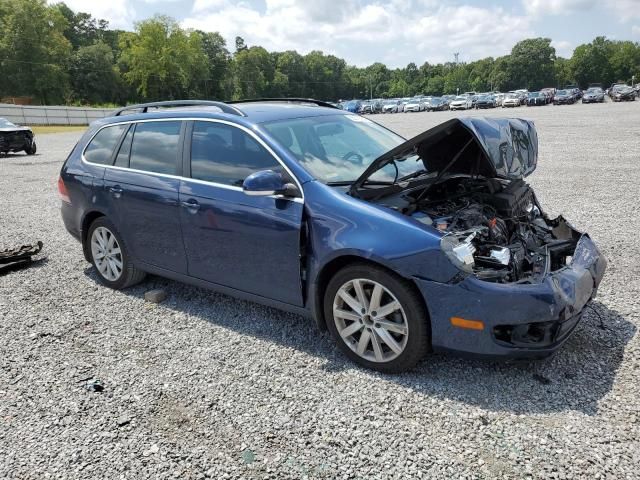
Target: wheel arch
87 220
332 267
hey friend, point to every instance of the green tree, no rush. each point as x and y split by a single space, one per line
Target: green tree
218 84
291 75
253 73
531 64
94 77
34 53
625 61
164 61
591 63
564 74
82 29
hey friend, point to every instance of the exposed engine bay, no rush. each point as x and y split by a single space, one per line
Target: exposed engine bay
494 228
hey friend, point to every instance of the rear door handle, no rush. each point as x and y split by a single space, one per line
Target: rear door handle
116 191
191 205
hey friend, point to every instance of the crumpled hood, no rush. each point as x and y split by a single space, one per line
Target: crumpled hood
501 147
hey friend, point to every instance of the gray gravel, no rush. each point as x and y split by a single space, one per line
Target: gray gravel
101 384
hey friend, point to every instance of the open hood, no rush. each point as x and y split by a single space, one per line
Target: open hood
15 129
491 147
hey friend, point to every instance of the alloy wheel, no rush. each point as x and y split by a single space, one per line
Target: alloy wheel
370 320
106 253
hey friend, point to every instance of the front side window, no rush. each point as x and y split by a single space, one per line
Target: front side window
155 147
225 154
100 149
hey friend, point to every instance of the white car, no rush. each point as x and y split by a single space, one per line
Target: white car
511 100
461 103
392 106
414 105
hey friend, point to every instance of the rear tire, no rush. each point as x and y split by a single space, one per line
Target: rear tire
110 257
390 342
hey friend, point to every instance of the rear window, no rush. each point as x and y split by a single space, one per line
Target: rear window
100 149
155 147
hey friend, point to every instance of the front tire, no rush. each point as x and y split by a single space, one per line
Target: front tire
110 257
377 318
32 149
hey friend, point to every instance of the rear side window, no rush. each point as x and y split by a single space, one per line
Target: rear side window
100 149
224 154
155 147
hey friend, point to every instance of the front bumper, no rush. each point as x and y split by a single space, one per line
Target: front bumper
520 320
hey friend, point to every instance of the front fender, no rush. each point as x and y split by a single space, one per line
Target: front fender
342 226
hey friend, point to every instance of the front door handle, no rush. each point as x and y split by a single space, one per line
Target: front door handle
191 205
116 191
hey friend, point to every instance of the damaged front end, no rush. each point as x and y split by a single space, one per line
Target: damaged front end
472 190
496 230
524 278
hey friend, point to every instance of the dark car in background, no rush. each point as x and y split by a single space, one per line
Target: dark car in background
14 138
575 91
593 95
622 93
564 97
486 101
437 104
536 98
549 93
397 247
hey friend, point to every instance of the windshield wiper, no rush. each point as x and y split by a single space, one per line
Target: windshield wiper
419 173
346 183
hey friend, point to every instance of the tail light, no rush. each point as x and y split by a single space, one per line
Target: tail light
62 190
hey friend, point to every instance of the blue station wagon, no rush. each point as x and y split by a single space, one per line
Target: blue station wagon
397 247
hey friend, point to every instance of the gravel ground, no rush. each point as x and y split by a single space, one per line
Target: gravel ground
205 386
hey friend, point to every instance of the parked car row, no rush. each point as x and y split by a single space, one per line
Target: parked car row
516 98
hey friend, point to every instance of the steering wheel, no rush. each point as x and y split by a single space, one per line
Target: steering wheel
357 158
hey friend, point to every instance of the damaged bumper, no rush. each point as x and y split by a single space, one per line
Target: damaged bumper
514 320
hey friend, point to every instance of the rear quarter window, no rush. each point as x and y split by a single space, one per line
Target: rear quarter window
101 147
155 147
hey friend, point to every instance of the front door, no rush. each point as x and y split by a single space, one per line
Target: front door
248 243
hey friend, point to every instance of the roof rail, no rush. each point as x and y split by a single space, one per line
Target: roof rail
319 103
182 103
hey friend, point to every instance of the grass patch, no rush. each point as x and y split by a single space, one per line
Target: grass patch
62 129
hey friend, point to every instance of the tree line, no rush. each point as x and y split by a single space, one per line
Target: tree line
56 55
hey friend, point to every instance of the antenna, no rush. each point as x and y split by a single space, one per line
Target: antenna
456 56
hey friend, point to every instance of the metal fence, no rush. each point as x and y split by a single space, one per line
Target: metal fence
29 115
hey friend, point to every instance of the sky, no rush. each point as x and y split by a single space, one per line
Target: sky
394 32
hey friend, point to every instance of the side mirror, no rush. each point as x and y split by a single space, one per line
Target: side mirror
267 182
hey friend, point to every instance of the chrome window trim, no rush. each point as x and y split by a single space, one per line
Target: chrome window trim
187 179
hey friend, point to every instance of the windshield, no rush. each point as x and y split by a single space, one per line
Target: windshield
561 92
339 148
594 90
391 102
534 94
4 123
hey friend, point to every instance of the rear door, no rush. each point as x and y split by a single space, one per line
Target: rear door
143 186
248 243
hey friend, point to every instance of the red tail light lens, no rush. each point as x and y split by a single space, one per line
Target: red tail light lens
62 190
